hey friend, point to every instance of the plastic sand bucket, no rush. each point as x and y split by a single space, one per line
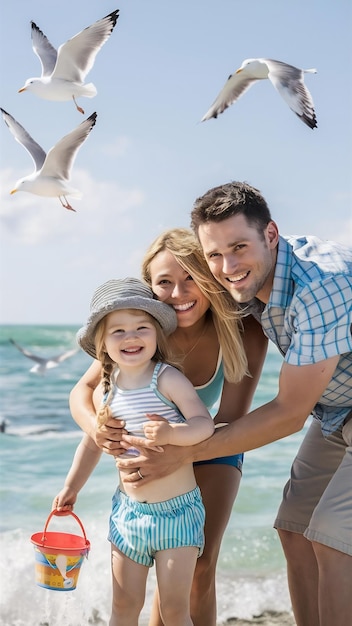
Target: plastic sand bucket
59 556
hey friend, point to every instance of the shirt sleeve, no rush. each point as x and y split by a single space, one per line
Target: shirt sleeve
320 317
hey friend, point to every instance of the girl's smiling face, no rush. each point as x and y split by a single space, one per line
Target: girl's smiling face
130 337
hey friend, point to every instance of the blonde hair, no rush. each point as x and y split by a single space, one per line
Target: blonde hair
162 353
187 251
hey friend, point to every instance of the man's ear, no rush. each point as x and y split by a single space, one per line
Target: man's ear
272 234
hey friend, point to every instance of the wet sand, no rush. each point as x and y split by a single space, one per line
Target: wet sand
268 618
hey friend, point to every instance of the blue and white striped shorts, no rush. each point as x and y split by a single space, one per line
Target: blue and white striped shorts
140 529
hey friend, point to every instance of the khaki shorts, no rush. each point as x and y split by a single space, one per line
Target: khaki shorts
317 500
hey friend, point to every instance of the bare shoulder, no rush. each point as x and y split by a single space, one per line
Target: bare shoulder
171 374
170 379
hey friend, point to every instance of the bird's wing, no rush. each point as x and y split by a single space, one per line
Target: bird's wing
42 47
76 57
54 361
20 134
60 158
234 87
39 368
65 355
28 354
289 82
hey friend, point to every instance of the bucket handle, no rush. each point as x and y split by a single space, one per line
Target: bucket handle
62 514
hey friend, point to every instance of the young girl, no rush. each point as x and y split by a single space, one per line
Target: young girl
163 521
215 353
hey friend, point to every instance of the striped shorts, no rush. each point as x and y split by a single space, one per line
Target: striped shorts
140 529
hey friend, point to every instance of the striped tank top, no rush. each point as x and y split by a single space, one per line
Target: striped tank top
131 405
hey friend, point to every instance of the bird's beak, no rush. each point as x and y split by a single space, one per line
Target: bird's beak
239 70
13 191
22 89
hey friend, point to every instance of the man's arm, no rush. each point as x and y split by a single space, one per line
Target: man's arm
300 388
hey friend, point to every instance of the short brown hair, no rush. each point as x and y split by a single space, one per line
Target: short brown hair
230 199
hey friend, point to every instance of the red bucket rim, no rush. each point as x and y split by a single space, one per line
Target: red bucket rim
44 539
60 541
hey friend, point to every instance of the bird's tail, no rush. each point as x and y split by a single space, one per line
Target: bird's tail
90 90
311 71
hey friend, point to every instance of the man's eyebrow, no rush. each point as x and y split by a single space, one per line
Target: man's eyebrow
232 244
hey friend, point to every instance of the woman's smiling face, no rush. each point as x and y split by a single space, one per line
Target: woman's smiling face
173 285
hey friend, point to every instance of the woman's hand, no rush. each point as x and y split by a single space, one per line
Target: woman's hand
109 437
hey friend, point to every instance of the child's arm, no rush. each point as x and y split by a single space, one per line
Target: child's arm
199 425
84 461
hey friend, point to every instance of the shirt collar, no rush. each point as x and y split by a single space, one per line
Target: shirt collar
283 285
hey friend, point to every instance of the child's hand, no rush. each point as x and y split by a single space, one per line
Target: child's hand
65 500
157 430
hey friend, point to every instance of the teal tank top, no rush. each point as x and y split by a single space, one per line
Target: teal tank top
210 392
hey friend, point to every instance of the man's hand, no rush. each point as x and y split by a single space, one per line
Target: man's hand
109 436
150 463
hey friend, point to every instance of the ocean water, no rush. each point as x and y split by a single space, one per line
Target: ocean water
35 454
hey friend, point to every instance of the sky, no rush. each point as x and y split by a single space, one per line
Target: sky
149 156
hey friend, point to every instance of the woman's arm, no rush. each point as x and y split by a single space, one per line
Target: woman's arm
82 405
81 399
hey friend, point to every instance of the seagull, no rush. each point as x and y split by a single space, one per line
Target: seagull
52 171
287 79
42 364
64 71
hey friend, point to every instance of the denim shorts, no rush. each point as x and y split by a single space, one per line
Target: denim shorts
317 500
140 529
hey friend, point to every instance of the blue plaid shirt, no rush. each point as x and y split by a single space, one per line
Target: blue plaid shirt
309 316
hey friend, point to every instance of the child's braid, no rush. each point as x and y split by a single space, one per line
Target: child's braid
104 411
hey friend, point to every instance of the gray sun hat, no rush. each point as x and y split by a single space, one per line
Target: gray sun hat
124 293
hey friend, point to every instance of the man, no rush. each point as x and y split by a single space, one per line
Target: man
300 289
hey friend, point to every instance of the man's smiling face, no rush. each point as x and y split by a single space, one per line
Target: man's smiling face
240 257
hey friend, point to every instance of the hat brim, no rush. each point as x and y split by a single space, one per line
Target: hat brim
163 313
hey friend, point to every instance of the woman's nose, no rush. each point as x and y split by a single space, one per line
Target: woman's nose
178 290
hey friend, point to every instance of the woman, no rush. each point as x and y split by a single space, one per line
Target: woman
218 351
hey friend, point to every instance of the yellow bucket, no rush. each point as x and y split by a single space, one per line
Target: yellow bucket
59 556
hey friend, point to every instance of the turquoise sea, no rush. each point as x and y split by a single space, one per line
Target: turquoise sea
36 451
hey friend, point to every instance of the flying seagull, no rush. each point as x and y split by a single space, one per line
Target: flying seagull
64 71
42 364
52 171
287 79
